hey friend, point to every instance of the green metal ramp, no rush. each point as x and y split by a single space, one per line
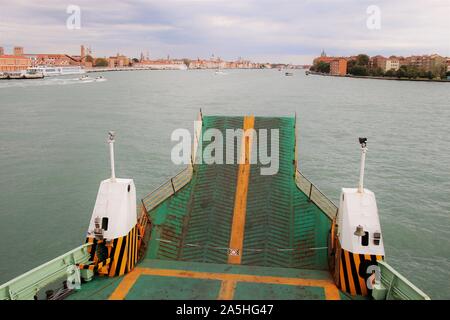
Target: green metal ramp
283 228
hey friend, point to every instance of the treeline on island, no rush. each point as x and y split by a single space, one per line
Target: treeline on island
360 66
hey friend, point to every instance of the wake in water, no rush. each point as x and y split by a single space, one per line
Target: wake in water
49 82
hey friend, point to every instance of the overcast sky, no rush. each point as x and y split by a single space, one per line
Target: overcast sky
291 31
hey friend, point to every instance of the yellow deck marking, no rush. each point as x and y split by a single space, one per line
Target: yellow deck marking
331 291
240 203
125 285
227 290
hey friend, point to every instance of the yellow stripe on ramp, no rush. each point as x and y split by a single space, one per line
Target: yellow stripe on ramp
227 290
240 203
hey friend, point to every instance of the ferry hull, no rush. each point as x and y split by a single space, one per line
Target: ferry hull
224 231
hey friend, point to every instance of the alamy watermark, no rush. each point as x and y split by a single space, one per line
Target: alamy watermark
375 276
239 146
73 22
373 21
73 277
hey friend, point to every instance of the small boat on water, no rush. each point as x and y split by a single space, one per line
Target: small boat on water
33 74
22 74
289 74
219 72
58 71
86 78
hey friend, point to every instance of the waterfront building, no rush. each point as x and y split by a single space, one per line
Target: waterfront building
324 59
13 63
378 62
53 59
338 67
432 63
161 64
49 59
337 62
217 63
82 55
392 64
118 61
18 51
385 64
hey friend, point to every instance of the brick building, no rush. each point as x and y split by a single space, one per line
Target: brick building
338 67
13 63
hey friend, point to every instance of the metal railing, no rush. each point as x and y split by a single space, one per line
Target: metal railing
170 187
27 285
393 286
315 195
167 189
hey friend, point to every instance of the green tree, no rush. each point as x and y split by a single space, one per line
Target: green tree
187 62
362 60
101 62
359 70
402 72
390 73
377 72
412 72
323 67
350 65
135 60
443 72
89 59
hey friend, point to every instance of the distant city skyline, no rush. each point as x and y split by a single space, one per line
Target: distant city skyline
260 30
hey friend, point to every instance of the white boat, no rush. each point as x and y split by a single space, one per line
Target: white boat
219 72
58 71
86 78
21 74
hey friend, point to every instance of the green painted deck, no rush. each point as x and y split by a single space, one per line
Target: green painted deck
285 235
164 279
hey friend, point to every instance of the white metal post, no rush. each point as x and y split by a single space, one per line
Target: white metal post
111 136
363 163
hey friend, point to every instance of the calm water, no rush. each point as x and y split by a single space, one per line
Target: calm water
53 152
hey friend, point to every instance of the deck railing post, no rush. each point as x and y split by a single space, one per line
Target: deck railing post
310 191
144 207
173 187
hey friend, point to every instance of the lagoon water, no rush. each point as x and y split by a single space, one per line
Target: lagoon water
53 152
